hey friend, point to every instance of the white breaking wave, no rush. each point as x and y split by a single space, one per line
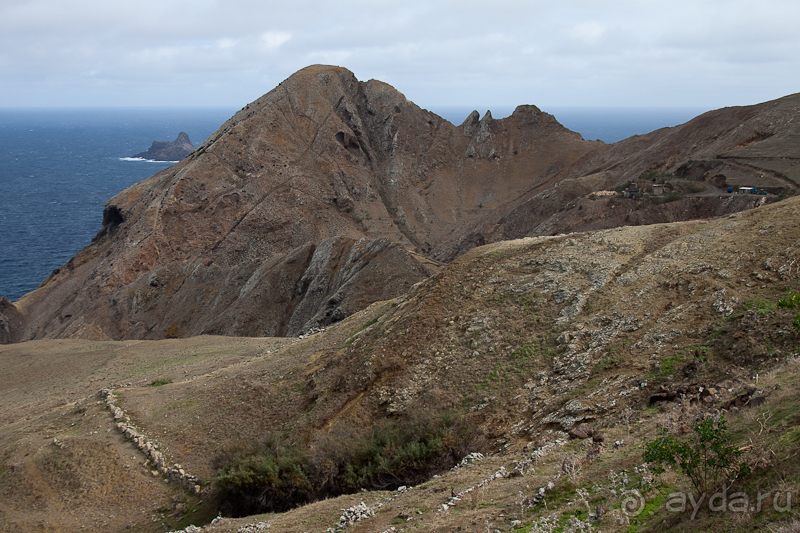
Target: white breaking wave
145 160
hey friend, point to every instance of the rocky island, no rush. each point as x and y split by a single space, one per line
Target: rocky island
168 151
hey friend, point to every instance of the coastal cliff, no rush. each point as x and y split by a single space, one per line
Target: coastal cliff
328 193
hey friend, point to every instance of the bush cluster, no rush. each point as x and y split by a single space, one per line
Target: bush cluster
276 475
672 196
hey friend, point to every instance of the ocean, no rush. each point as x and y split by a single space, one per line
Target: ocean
59 166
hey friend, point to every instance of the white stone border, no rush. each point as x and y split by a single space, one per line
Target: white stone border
174 473
522 468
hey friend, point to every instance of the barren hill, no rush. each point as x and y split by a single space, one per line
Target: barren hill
521 350
328 193
753 146
322 171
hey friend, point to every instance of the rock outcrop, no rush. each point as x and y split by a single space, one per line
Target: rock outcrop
10 321
168 151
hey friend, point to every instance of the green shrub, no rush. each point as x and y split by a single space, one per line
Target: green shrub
707 459
667 367
672 196
275 476
272 479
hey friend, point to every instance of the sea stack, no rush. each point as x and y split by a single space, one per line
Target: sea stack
168 151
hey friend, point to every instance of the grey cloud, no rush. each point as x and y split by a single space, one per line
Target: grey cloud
578 52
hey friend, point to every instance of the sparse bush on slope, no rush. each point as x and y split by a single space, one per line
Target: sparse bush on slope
708 459
276 475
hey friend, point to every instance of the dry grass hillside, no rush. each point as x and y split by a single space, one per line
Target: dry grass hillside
557 358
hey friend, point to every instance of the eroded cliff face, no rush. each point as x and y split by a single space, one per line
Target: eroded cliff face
10 322
320 197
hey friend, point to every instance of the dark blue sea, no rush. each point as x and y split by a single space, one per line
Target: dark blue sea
59 166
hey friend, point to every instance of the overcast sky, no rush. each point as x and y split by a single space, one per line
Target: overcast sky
688 53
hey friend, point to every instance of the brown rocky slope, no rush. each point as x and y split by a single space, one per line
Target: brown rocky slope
525 340
320 157
753 146
328 193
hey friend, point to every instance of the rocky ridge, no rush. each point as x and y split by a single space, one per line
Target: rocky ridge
327 194
320 157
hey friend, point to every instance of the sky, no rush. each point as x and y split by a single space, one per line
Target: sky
574 53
